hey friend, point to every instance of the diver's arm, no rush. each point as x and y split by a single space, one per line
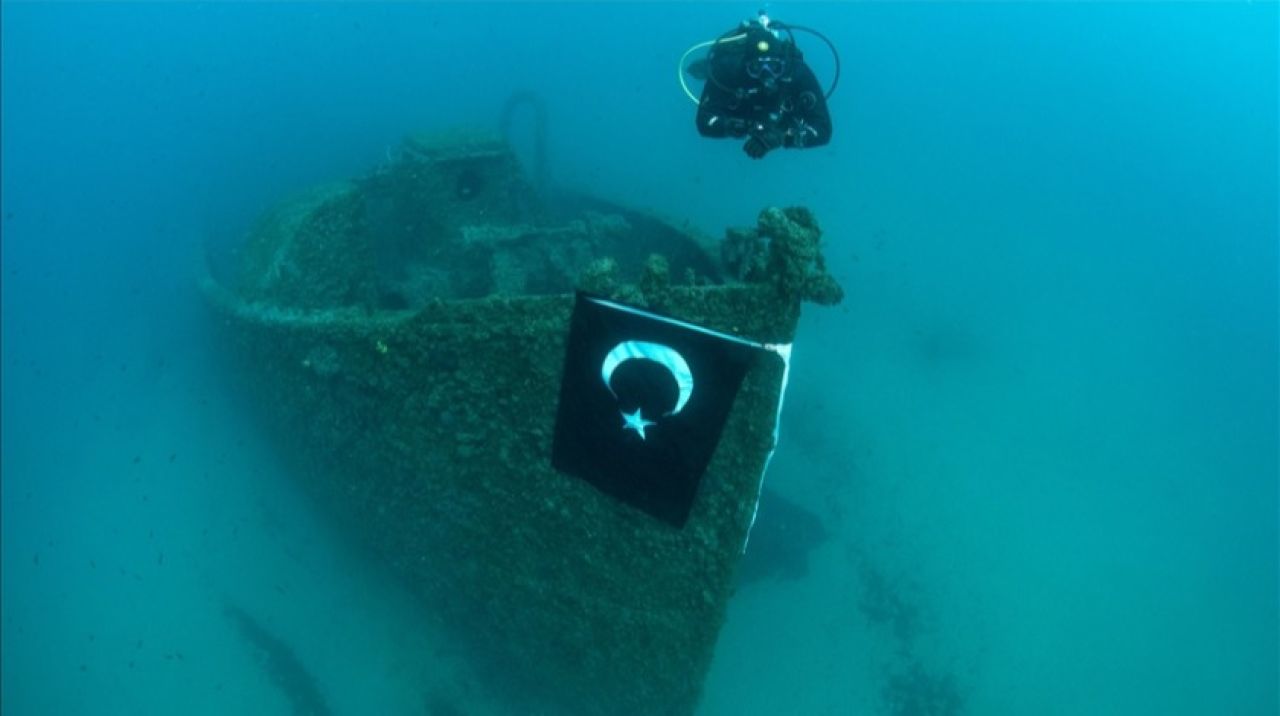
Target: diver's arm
720 112
716 120
711 123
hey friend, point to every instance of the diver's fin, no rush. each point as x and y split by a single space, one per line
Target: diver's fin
698 69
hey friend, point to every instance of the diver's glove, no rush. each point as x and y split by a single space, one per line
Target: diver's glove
762 141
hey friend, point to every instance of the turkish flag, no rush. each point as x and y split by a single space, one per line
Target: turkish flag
643 401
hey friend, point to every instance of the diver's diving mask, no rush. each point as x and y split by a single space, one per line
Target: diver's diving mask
766 68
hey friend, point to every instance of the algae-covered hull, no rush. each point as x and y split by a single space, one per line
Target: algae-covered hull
413 375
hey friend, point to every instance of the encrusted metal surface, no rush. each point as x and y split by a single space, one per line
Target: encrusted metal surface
412 375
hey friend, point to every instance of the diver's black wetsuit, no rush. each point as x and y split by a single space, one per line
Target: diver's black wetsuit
768 95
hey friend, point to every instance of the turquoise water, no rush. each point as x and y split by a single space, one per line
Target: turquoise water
1041 429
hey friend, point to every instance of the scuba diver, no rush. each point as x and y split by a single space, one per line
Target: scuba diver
758 86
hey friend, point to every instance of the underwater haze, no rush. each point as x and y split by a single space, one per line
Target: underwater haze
1040 432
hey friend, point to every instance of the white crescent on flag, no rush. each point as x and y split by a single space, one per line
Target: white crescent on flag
662 355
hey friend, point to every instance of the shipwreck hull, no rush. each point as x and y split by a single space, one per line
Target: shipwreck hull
427 430
437 448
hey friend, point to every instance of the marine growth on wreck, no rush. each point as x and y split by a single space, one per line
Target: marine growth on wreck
404 333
